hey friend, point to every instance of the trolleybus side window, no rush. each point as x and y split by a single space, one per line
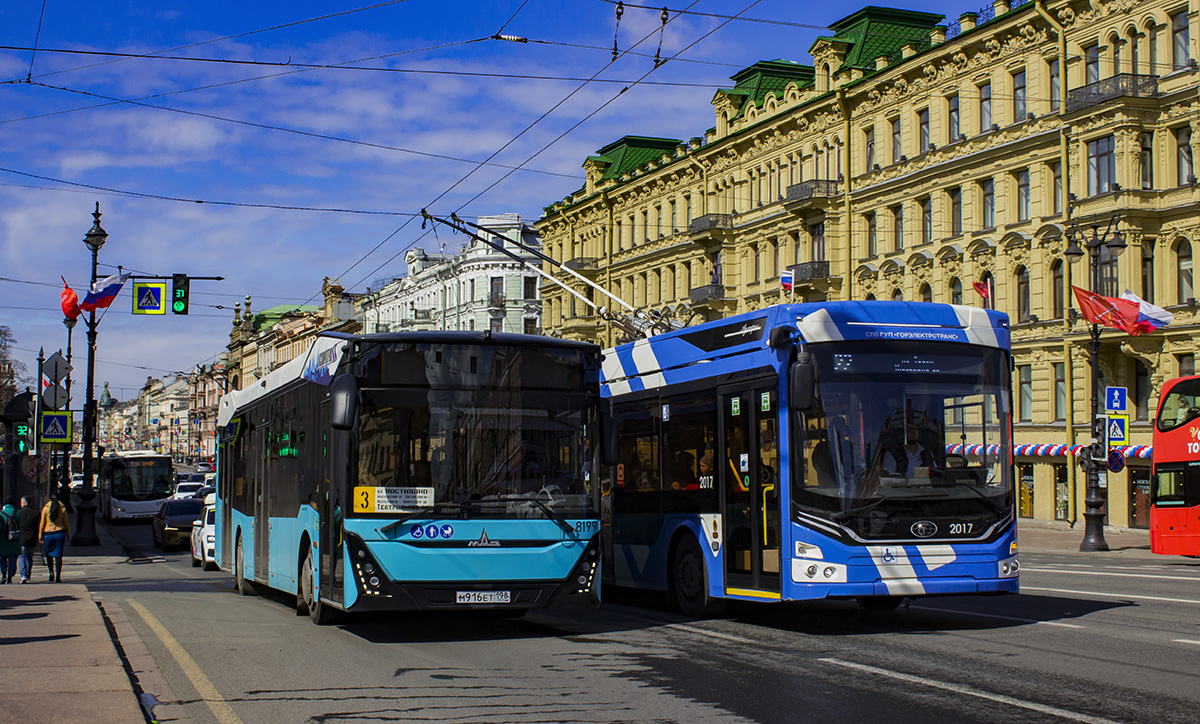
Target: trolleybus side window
689 455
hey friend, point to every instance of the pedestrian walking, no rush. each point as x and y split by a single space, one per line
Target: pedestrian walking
54 530
10 541
29 537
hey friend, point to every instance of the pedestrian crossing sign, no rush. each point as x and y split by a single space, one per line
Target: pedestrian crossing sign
55 427
148 297
1118 430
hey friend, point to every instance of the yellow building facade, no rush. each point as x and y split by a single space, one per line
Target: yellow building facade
925 161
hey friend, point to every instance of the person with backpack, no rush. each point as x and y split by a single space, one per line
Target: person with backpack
53 532
10 541
29 537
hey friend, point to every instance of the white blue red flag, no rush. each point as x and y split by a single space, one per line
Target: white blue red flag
785 279
1150 316
104 291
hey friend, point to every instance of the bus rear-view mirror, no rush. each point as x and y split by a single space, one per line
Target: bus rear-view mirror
343 402
801 383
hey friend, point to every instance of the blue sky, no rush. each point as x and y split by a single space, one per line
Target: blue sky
133 133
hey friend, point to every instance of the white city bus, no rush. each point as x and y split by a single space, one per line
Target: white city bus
134 484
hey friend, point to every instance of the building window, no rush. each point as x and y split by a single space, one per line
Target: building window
985 107
1115 43
1022 280
617 231
496 324
987 192
955 196
1187 364
1141 391
956 291
645 226
674 224
1183 279
1179 39
1056 174
1091 65
1025 393
817 232
1023 195
687 210
530 326
531 286
923 129
898 295
1020 109
1101 165
1057 289
896 140
869 147
1146 160
1148 272
1060 391
755 265
872 235
1055 84
926 205
1132 39
1183 156
898 227
471 290
952 119
1108 273
926 294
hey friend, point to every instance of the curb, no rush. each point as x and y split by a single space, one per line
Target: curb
158 700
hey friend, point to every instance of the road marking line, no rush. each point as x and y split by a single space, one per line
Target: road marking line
1192 579
1102 594
1186 641
969 691
714 634
218 706
996 615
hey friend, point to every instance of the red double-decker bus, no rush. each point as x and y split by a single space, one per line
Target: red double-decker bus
1175 494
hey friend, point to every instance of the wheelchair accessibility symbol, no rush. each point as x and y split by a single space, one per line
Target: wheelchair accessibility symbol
887 556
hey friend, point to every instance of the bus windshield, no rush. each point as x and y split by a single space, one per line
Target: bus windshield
900 437
140 478
500 431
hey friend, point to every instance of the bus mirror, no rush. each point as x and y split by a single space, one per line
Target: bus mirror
781 337
343 407
609 443
801 383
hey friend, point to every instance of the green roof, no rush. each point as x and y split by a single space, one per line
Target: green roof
630 152
767 77
875 31
271 315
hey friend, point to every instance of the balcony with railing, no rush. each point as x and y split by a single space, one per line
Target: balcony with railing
585 265
814 194
1121 85
708 294
422 315
710 229
812 276
496 300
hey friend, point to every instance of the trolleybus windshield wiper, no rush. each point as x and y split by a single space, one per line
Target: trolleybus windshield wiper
558 519
456 507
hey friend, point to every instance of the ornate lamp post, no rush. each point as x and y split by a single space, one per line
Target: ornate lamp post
1110 241
70 325
85 517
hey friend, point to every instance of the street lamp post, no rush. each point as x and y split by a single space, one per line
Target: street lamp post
69 323
85 517
1110 240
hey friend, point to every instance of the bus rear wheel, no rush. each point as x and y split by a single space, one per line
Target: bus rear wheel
308 601
243 586
689 579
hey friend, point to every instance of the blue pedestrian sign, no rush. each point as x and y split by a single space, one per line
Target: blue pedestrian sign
1115 399
1118 430
56 427
148 297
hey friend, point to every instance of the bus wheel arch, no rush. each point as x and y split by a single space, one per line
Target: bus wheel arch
240 583
320 612
689 577
301 572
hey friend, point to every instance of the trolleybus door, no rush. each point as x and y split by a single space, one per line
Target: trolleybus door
750 484
262 522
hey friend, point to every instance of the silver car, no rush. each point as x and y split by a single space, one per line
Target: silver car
204 538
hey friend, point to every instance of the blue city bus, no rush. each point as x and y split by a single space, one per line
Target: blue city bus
851 450
415 470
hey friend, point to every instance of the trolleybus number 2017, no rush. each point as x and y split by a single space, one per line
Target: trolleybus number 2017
960 528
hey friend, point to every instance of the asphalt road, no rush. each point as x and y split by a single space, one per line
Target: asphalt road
1088 640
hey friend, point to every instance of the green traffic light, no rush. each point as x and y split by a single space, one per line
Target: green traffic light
179 306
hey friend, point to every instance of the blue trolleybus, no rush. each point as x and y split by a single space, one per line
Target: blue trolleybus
855 450
441 470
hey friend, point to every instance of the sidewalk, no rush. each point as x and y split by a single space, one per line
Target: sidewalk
1042 536
59 663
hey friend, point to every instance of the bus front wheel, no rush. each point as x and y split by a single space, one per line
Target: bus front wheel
243 586
689 578
308 601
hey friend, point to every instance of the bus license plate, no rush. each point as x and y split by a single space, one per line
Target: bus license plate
482 597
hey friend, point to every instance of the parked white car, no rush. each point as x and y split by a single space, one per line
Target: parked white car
204 536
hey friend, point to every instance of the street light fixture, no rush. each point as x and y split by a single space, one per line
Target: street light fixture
1110 241
85 516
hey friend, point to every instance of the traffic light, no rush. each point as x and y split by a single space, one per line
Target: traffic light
179 293
21 436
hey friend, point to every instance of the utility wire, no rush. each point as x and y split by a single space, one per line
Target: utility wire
36 38
723 17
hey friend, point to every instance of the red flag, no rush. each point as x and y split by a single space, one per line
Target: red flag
982 288
70 301
1108 311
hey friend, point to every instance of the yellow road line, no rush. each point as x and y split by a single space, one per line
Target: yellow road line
219 707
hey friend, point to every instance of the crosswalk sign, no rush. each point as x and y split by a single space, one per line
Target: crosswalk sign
1118 430
55 427
149 297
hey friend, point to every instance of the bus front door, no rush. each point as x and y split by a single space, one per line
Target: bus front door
750 484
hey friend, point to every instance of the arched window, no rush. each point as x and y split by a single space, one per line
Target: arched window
1022 280
1057 289
870 298
898 296
1183 280
1108 273
955 291
925 293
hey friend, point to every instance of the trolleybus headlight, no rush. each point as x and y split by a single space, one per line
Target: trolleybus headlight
582 580
828 572
362 553
374 580
368 568
811 571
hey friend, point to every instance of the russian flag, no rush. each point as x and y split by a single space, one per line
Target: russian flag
1150 317
785 279
104 291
